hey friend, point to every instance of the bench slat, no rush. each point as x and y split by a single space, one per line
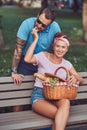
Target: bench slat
85 80
78 108
9 79
81 96
83 74
5 87
14 102
15 94
82 88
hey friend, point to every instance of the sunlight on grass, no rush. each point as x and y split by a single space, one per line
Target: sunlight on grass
76 32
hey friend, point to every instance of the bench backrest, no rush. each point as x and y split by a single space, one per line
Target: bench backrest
12 95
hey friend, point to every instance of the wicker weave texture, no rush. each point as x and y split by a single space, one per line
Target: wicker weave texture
60 92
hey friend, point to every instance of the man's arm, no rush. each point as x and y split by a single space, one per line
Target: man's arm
17 53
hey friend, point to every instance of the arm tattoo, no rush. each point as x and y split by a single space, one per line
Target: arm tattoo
17 53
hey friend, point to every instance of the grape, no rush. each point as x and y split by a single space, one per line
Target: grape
53 81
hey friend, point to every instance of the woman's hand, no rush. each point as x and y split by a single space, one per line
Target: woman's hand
17 78
75 77
72 79
35 33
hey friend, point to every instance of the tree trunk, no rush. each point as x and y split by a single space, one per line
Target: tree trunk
1 36
84 20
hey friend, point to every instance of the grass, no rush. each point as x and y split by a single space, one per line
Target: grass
70 24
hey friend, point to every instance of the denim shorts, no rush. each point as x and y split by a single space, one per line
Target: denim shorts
37 94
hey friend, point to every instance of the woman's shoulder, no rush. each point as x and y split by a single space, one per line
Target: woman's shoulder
46 54
66 63
42 54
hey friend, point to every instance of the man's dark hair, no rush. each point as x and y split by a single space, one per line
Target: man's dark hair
49 13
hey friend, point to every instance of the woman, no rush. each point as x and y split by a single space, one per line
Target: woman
49 62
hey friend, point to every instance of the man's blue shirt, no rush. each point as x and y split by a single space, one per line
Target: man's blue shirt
45 37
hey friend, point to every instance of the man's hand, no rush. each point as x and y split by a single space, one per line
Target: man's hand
17 78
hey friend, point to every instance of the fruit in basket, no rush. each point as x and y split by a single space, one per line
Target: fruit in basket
53 81
47 79
54 77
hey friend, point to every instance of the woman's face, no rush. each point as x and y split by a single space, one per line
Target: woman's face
60 48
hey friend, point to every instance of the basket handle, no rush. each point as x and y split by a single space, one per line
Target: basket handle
67 72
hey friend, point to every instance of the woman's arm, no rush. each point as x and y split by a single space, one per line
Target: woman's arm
29 56
75 77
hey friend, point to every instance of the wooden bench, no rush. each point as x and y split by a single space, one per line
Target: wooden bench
11 95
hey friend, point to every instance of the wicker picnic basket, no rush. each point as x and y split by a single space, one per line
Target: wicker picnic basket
61 89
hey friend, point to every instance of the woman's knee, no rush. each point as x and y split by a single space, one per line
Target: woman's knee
66 103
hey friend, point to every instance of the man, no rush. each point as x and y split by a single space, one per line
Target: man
47 28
